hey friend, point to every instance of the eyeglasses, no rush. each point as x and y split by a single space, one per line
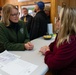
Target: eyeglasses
16 14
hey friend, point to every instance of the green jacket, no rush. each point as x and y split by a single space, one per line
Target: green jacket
10 40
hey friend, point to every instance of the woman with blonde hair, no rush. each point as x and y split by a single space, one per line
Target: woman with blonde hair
13 33
60 56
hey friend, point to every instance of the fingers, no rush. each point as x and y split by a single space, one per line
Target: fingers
29 46
44 49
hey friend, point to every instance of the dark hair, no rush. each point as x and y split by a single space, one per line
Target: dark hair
24 8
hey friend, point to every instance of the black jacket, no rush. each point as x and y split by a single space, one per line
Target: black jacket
28 21
39 25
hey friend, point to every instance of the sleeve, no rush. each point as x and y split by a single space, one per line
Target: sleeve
8 45
64 56
35 28
27 35
51 46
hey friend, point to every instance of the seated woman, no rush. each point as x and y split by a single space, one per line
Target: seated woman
13 33
60 56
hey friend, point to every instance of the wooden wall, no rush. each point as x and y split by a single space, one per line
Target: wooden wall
72 3
60 2
15 2
2 2
55 9
54 5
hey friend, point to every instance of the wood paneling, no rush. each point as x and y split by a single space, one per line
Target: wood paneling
15 2
72 3
23 3
2 2
60 2
69 3
54 5
54 9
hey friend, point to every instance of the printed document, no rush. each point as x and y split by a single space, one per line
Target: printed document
13 65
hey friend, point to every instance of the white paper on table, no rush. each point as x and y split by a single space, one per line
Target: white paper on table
50 28
19 67
7 57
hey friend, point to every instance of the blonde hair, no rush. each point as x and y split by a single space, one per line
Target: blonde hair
6 13
68 25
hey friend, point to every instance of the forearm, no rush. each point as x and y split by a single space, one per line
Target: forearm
14 46
59 60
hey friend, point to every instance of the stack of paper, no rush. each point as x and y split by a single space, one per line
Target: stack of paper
12 65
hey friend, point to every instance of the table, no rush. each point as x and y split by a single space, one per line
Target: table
34 56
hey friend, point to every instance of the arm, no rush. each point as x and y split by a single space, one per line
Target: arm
45 49
8 45
51 46
64 56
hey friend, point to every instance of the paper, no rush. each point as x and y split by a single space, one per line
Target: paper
50 28
13 65
19 67
7 57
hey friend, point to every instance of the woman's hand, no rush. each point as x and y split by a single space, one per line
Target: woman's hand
29 46
44 49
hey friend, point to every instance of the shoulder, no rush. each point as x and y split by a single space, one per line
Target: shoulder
37 16
3 28
72 39
70 44
40 14
29 16
2 25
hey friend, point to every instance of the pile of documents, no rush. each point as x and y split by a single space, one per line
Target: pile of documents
13 65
